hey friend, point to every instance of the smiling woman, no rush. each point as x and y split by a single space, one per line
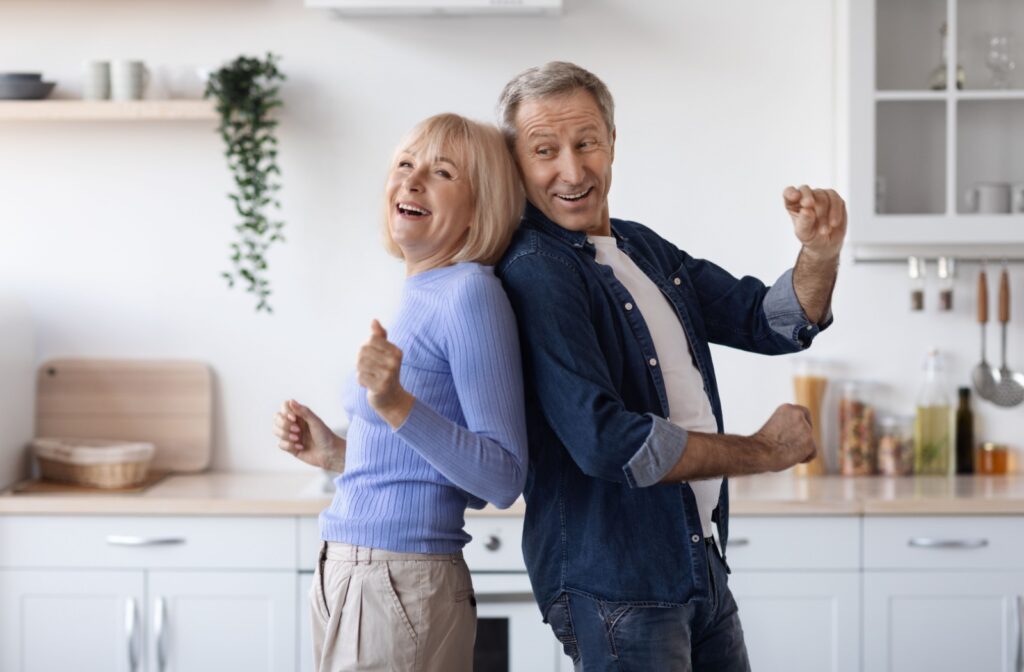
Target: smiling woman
435 183
437 418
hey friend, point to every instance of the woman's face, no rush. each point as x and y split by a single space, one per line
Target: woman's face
430 206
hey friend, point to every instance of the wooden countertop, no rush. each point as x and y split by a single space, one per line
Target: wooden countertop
209 493
787 494
301 494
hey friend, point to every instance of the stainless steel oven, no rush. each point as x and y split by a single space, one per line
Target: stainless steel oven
510 635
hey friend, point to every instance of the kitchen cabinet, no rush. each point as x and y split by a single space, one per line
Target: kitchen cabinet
943 621
797 584
910 153
305 625
152 594
223 620
71 620
943 593
901 583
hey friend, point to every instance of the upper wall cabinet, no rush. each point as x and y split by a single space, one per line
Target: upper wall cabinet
933 107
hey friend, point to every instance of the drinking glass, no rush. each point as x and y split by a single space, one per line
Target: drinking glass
1000 60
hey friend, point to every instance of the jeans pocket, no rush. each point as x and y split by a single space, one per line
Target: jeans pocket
559 617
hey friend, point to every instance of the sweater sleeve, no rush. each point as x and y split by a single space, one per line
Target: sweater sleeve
487 457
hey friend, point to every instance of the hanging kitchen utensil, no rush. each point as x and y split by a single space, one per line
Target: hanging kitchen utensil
1009 391
985 377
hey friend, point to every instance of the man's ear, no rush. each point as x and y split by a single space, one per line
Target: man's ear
613 144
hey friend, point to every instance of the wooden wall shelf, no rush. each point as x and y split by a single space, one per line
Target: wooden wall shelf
106 110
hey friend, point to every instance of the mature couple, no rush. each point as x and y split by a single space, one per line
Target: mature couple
613 392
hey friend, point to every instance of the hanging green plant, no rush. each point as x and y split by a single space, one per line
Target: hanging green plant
246 91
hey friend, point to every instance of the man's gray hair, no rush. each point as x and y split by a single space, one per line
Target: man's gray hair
556 78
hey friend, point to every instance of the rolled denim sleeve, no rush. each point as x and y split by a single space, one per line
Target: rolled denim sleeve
662 449
785 315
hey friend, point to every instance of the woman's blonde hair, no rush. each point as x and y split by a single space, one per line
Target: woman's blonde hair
497 193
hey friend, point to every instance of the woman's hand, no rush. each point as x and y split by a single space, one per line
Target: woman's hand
302 433
377 369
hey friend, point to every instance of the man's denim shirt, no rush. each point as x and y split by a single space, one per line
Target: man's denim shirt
597 520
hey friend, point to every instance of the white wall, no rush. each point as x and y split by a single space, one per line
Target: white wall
116 233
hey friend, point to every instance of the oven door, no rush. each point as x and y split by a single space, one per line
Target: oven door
510 635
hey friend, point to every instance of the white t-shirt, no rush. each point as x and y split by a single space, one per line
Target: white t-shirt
688 404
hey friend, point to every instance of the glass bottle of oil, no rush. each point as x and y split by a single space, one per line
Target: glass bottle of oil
933 425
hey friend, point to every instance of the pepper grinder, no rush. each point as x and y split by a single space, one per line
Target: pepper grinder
917 270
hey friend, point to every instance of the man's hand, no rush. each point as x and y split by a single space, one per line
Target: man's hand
786 438
377 369
819 220
783 441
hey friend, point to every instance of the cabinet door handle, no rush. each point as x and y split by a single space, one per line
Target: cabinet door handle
493 543
159 626
736 542
930 542
131 620
1020 634
122 540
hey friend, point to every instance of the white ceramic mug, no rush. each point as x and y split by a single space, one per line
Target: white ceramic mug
1018 197
97 80
128 80
989 198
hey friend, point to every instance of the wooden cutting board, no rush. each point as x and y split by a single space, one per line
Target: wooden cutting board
167 403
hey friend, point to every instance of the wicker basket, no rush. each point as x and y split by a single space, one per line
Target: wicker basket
93 462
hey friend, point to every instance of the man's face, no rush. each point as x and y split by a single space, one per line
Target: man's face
565 151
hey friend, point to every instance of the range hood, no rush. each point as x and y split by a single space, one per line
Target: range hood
438 7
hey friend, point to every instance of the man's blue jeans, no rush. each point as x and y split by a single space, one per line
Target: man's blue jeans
703 635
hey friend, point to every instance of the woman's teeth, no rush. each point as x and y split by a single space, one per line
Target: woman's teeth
411 210
573 197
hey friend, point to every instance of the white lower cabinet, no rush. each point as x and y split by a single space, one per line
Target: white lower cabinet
797 584
305 623
944 594
160 621
71 620
224 620
148 594
800 621
191 594
943 621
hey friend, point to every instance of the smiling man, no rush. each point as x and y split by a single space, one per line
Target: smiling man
627 456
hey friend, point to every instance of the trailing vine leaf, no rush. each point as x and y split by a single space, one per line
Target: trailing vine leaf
246 92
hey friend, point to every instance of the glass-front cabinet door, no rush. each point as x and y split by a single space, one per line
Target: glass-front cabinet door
933 105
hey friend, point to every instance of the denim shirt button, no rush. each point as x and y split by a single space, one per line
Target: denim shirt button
695 538
652 361
629 306
677 281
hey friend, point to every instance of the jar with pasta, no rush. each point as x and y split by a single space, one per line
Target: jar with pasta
856 431
896 446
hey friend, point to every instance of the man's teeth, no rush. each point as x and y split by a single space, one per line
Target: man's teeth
411 210
573 197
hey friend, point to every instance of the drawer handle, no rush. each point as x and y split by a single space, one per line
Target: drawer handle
493 543
736 542
120 540
929 542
